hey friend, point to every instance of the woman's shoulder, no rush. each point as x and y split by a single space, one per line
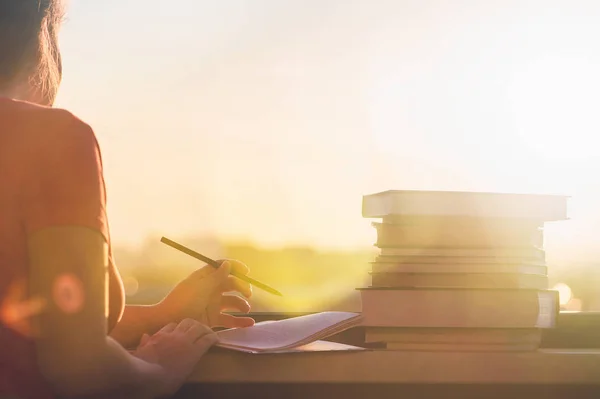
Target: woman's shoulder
45 126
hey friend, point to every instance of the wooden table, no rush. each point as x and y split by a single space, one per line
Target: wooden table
381 366
546 373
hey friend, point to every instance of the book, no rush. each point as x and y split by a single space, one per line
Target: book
448 268
447 235
462 222
466 204
460 280
467 347
456 336
458 307
460 271
523 253
451 261
297 334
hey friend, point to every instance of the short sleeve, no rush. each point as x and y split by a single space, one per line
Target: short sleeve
65 184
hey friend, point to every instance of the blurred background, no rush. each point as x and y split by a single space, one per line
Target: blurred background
251 129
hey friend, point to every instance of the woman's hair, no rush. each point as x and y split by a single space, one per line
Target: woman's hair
29 45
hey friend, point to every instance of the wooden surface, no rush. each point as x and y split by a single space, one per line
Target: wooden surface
380 366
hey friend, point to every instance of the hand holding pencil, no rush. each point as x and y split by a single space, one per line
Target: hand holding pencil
216 264
202 296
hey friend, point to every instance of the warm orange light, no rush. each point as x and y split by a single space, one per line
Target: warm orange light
68 293
564 293
16 310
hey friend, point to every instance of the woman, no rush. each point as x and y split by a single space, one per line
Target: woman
55 247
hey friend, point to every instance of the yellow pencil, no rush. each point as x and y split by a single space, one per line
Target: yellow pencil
216 265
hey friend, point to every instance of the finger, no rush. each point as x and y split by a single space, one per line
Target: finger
186 324
238 267
236 285
209 269
204 343
230 321
197 331
234 302
144 340
168 328
218 277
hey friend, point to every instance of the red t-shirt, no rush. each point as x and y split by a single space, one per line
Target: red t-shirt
50 175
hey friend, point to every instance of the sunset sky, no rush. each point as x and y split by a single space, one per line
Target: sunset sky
268 120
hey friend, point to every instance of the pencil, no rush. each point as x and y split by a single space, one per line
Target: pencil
216 265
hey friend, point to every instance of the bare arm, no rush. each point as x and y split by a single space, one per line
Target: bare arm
74 352
199 296
136 321
62 205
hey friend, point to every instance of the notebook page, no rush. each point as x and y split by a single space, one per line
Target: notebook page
315 346
283 333
320 346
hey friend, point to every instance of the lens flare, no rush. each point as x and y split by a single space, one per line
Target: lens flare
16 310
68 293
131 285
564 293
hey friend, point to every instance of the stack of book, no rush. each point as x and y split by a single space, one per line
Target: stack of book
460 271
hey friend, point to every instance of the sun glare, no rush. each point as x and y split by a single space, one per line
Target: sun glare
320 290
553 102
564 293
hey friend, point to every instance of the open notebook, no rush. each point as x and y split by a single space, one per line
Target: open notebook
297 334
